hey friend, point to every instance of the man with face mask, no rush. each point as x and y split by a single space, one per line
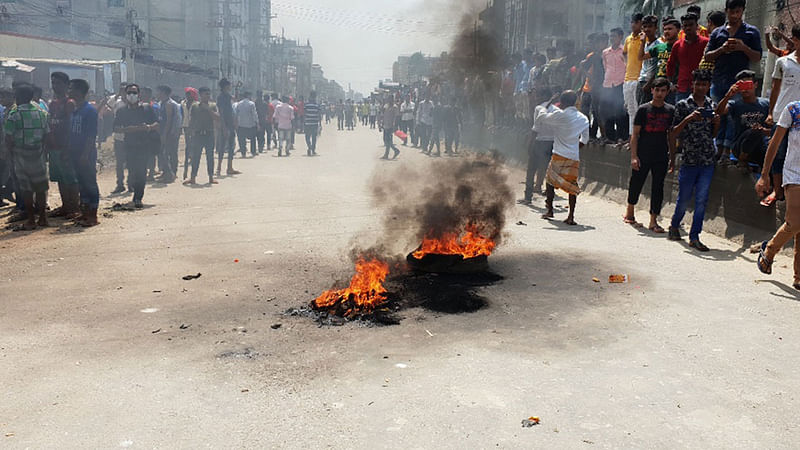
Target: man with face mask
137 122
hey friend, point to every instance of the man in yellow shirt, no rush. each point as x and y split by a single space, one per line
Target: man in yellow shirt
633 67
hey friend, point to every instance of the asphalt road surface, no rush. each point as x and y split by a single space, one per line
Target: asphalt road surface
104 345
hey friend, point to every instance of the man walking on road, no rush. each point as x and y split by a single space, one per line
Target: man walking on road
789 122
694 125
284 115
391 115
137 123
571 132
312 123
246 119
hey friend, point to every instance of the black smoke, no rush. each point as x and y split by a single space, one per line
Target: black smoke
444 197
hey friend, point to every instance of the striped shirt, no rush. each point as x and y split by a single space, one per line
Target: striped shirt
311 114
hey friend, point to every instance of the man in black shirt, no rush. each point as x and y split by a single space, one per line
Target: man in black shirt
227 134
650 153
139 124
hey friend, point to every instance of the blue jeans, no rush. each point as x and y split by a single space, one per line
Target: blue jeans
697 180
86 172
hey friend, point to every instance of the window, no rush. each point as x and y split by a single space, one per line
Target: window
116 3
82 30
60 28
117 29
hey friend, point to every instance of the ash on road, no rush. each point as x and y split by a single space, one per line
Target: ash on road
693 352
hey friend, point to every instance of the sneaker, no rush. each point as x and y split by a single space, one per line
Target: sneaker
674 234
118 190
699 246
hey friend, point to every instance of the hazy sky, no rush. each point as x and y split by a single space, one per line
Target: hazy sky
356 41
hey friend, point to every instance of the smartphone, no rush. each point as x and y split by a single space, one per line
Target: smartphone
746 85
707 113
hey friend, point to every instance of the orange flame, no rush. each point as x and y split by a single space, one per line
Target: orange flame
366 289
470 244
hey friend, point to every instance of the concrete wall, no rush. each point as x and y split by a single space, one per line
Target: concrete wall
152 76
18 46
733 210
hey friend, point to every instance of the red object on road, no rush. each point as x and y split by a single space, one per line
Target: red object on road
401 135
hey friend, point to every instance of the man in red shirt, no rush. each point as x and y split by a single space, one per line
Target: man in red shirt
686 56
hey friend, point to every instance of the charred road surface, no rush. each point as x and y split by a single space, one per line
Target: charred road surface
103 344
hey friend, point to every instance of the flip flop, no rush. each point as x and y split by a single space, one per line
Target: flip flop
769 200
657 229
764 265
632 221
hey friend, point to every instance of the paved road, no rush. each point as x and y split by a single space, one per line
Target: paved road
696 351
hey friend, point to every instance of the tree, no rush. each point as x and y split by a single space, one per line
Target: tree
658 8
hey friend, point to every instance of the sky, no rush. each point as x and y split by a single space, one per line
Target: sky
356 41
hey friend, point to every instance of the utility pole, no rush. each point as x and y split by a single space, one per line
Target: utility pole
134 39
227 46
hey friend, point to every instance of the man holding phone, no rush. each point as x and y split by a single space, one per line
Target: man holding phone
748 117
732 48
695 124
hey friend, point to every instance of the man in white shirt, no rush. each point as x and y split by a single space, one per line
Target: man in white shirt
284 115
117 103
246 116
407 117
570 131
425 123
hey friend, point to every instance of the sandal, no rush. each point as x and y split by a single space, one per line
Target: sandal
769 200
764 264
631 221
570 222
657 229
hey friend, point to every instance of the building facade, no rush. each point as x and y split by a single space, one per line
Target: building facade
217 38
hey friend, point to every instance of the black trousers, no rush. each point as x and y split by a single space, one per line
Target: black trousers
615 120
202 142
658 170
138 160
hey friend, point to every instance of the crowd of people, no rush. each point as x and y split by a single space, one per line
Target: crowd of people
57 141
675 89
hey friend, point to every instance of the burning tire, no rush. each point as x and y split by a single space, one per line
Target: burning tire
452 264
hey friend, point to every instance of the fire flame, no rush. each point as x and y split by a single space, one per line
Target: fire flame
366 291
469 244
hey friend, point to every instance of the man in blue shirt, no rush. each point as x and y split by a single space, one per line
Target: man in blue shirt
82 149
732 48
